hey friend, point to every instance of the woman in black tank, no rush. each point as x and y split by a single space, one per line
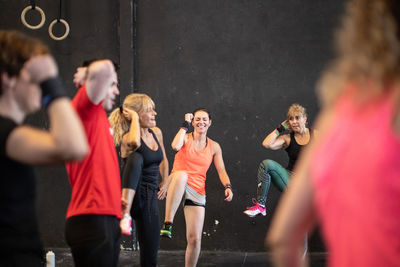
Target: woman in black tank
143 155
293 142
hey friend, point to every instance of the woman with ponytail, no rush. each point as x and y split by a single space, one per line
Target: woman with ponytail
143 155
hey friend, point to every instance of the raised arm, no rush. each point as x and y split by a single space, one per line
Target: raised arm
274 140
180 138
296 214
131 140
164 166
223 175
66 139
100 76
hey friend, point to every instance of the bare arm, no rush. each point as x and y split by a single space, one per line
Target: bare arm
100 76
127 199
164 166
273 141
66 139
223 175
276 141
180 138
296 213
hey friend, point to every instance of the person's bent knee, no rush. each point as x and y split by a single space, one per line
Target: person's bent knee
265 163
180 176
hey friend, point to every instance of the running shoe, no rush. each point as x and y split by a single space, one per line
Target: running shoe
255 210
166 230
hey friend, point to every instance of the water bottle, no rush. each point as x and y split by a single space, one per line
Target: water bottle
50 259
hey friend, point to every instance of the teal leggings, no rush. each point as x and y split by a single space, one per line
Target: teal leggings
267 171
272 170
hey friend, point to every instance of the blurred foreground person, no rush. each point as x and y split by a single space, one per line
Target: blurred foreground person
348 180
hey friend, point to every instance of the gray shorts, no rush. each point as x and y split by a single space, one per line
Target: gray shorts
192 198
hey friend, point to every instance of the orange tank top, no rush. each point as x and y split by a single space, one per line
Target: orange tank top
194 163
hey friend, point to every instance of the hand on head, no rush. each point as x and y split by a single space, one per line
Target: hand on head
80 76
283 126
130 113
41 68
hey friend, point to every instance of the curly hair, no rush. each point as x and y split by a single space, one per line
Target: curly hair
367 48
296 109
119 123
15 49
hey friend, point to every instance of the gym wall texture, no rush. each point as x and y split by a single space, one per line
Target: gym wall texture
246 61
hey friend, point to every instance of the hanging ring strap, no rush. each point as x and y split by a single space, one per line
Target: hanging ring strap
33 6
63 22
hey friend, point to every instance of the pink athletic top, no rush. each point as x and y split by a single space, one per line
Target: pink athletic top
194 163
356 176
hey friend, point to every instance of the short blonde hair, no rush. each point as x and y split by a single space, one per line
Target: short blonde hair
120 124
296 109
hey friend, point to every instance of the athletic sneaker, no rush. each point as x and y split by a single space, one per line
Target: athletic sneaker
126 224
255 210
166 230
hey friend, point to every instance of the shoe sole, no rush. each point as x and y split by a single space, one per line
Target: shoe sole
252 216
166 235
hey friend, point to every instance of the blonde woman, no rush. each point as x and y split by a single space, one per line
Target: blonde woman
348 179
143 153
269 170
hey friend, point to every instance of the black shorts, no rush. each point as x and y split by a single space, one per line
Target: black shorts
189 202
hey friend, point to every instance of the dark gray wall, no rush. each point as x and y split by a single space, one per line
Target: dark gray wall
245 60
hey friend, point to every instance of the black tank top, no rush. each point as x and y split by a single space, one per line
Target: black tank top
151 161
293 150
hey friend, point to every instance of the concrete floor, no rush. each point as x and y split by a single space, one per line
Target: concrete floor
207 259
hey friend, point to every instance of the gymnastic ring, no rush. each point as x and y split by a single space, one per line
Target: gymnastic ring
33 27
51 30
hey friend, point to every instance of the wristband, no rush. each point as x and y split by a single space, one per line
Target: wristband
51 90
228 186
280 128
185 126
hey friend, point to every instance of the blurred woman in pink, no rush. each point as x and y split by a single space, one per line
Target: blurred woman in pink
348 180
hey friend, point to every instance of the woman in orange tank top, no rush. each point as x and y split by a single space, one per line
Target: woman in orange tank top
195 154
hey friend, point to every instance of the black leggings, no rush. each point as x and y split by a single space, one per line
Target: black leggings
148 234
144 209
94 240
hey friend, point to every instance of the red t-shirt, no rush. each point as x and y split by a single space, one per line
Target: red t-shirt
95 181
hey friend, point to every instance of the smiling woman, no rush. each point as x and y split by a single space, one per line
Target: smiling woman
143 155
195 153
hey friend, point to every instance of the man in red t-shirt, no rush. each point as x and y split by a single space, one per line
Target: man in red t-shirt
92 226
